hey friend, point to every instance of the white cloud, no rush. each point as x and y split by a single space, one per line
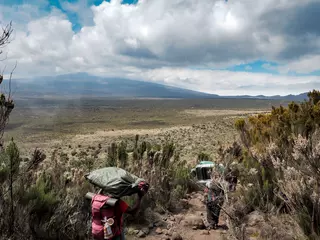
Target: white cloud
303 65
228 82
160 40
80 8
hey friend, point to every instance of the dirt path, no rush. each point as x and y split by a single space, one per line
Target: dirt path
188 224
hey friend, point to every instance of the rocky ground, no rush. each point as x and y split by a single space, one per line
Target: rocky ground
188 224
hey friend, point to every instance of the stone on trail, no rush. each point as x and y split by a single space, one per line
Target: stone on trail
145 230
205 232
196 222
178 218
141 234
176 236
169 232
159 231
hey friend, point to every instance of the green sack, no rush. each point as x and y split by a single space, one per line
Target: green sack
114 181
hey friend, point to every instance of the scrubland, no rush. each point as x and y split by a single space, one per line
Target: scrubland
55 142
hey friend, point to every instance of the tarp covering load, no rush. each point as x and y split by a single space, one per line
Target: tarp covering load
115 181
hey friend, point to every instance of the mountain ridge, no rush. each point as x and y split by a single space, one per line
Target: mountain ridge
86 85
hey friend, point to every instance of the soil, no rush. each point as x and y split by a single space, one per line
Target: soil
189 224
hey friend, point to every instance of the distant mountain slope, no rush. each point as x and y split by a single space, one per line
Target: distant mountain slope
82 84
85 85
299 97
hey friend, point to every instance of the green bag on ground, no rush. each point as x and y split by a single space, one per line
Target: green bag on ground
114 181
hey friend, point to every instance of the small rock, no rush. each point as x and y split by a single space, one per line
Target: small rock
151 225
205 232
198 195
194 228
136 231
172 218
169 232
176 236
194 222
159 231
131 231
141 234
145 230
178 218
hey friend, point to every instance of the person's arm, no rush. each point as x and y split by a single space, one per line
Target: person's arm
133 210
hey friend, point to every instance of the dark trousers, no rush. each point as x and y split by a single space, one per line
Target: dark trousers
213 211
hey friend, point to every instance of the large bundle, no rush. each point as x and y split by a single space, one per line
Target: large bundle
115 181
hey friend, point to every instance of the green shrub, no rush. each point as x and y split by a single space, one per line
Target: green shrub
41 196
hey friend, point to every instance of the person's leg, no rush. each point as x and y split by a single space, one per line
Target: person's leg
217 209
119 237
210 215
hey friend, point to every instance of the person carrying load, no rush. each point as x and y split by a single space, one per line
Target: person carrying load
107 207
214 194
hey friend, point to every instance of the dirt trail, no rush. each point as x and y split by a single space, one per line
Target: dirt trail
188 224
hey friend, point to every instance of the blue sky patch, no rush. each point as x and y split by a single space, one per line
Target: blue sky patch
47 5
256 67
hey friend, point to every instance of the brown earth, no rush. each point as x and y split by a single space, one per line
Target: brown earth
189 224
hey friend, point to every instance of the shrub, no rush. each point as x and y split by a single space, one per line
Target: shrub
203 157
279 163
122 154
41 196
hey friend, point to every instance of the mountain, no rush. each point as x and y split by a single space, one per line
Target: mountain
85 85
290 97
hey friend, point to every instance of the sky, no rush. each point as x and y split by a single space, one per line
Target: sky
234 47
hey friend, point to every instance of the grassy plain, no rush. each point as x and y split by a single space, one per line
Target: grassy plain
195 125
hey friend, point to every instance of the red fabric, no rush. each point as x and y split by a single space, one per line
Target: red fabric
98 212
122 207
97 227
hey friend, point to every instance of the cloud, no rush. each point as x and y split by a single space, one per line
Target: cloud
80 9
152 37
303 65
228 82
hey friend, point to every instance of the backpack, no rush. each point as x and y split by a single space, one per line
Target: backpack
103 207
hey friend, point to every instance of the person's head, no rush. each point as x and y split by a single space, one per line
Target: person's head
215 176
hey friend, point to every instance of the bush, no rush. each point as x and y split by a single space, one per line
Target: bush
279 164
41 196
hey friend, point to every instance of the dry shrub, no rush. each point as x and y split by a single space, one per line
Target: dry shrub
280 167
